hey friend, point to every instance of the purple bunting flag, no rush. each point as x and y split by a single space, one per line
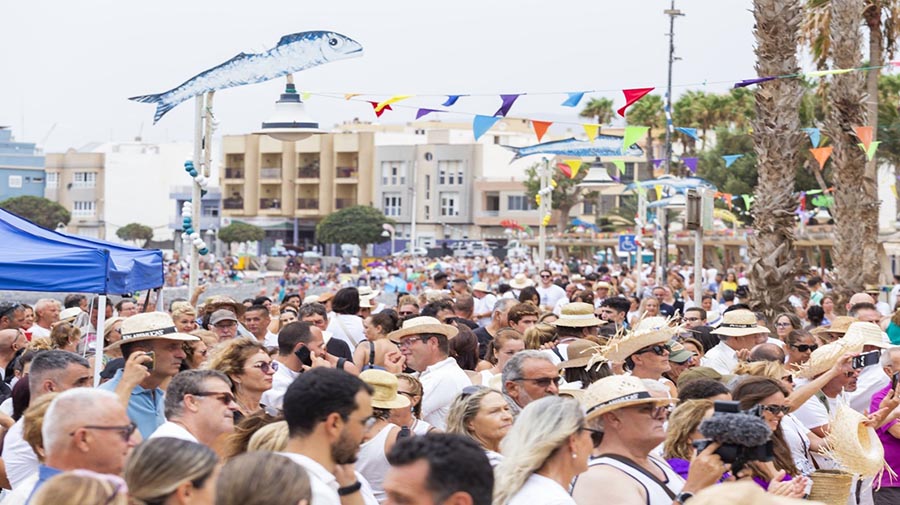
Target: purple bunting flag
508 101
750 82
691 163
451 99
573 99
657 163
424 112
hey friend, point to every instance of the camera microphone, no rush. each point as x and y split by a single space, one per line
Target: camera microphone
737 429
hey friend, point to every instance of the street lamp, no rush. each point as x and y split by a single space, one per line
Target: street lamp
389 232
290 122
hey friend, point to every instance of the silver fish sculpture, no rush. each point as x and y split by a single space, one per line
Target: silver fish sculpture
293 53
603 145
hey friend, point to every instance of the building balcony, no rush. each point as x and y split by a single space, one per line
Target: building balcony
308 172
269 204
342 203
234 173
233 203
489 213
346 173
270 173
307 204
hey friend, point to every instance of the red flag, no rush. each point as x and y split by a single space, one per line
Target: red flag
631 96
565 169
378 112
540 128
865 134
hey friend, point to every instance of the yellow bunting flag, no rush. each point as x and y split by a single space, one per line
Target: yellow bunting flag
305 95
393 99
592 130
870 152
348 96
894 190
540 128
658 192
632 134
823 73
821 154
552 183
537 199
620 165
865 134
575 165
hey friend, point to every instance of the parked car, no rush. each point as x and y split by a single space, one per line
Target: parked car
419 252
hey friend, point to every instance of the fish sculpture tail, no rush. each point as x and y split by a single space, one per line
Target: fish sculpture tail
516 150
162 106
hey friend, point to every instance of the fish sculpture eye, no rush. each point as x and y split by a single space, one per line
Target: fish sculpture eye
334 42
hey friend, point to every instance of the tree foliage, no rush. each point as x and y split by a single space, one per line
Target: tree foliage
565 195
237 232
360 225
136 232
40 211
599 109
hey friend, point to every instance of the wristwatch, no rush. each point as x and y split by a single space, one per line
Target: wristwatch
681 498
352 488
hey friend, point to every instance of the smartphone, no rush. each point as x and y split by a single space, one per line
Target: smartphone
894 380
150 364
304 355
866 359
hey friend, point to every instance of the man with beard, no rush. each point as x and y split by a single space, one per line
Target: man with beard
327 412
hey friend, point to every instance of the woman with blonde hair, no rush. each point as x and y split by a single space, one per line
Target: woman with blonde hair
409 419
539 335
65 336
112 332
262 478
171 471
506 343
649 308
185 317
483 415
82 487
682 431
271 437
546 448
247 363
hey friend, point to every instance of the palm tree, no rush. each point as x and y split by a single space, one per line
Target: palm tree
648 111
777 141
601 109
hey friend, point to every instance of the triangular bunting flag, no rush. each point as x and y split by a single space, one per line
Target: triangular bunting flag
508 101
750 82
591 130
573 99
425 112
731 158
350 95
865 135
814 136
482 124
389 101
451 99
727 197
823 73
575 166
658 189
690 132
748 199
620 165
870 152
631 96
691 163
894 190
656 163
632 135
305 96
821 154
540 128
564 169
379 112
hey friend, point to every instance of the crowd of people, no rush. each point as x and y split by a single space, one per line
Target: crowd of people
484 383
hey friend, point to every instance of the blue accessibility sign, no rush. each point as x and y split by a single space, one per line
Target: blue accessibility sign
627 243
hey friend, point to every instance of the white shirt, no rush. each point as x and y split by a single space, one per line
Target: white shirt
20 460
441 384
542 490
271 340
38 331
550 295
324 485
720 358
872 379
172 430
348 328
795 434
485 304
274 396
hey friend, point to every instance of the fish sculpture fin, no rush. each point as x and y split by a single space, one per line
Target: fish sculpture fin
161 106
516 150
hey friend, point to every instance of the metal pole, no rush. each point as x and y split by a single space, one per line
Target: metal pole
195 190
672 13
98 339
698 265
545 199
414 210
639 261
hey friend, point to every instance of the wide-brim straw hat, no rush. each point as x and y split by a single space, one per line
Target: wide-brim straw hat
384 389
581 352
324 297
616 392
854 446
423 325
150 326
365 302
69 315
578 315
520 281
739 323
840 325
481 286
861 334
649 331
310 299
576 278
216 302
822 359
366 291
743 493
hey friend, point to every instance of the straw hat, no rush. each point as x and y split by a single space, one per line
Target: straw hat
521 281
150 326
578 315
365 302
422 325
854 446
580 353
743 493
368 292
310 299
616 392
822 359
739 323
861 334
481 286
69 315
324 297
576 278
384 385
649 331
839 325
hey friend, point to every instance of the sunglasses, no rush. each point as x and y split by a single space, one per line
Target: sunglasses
783 325
405 313
470 390
543 382
265 367
777 409
805 347
5 310
124 431
658 349
224 397
545 276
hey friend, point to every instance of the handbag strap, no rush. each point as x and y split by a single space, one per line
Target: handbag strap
632 464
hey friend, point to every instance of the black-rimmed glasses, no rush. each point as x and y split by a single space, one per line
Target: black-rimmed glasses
805 347
125 431
658 349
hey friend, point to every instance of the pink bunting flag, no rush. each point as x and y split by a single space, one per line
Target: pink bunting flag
508 101
631 96
564 169
540 128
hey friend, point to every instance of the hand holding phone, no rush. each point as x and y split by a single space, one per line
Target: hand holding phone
894 380
150 364
304 355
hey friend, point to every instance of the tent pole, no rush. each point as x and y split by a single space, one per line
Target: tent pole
98 339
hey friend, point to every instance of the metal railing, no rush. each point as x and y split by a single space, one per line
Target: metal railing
270 173
234 173
307 204
347 172
233 203
269 204
341 203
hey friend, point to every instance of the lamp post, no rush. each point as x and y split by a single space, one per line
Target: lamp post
389 231
545 207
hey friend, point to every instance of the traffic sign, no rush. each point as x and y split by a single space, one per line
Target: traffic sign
627 244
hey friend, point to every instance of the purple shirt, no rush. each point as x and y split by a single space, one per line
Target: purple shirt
891 444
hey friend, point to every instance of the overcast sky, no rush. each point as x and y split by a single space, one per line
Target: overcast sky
73 64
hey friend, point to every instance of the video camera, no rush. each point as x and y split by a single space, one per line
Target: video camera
744 436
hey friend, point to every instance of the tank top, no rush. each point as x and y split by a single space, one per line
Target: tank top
656 495
421 427
372 462
486 376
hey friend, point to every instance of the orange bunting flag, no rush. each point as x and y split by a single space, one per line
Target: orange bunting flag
574 166
631 96
591 130
864 134
540 128
821 154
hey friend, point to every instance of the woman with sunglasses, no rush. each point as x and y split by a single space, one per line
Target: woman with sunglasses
248 365
112 332
170 471
785 323
483 415
799 345
409 418
197 351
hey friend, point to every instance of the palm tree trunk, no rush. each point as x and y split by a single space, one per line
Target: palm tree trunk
777 139
854 254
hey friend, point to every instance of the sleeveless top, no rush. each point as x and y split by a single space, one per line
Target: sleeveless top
421 427
486 377
655 494
372 462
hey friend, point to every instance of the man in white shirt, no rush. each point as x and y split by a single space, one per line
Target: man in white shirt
200 407
328 412
46 312
550 293
256 320
292 340
425 343
484 303
737 335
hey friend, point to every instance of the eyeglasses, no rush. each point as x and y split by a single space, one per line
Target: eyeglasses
658 349
543 382
783 325
406 342
125 431
226 324
470 390
224 397
805 347
852 373
405 313
265 366
777 409
592 430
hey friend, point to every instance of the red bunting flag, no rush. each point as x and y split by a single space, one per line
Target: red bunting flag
631 96
821 154
565 169
379 112
540 128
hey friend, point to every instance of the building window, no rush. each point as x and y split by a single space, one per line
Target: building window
588 207
85 180
393 205
427 212
492 202
518 202
52 179
450 172
449 204
83 209
210 211
393 173
428 186
15 181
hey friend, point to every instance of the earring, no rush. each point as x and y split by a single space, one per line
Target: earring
574 455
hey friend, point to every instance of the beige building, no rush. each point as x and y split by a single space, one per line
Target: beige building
76 181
